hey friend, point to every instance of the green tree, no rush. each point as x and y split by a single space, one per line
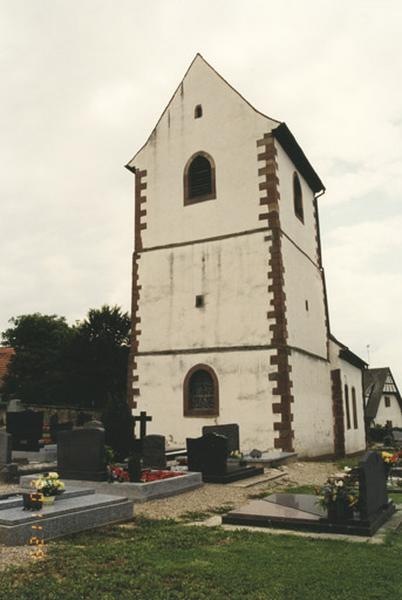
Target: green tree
37 370
98 356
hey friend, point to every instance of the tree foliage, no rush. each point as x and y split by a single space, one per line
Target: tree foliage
83 365
36 372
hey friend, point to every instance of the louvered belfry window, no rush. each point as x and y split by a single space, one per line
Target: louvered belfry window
200 177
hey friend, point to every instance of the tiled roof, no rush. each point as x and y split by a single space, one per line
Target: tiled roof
5 357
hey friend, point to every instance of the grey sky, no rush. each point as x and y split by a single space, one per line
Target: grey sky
83 83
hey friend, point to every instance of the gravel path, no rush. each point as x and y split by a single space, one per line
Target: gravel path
209 498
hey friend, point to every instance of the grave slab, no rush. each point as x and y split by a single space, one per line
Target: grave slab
138 492
69 514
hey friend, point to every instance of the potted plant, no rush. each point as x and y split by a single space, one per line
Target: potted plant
49 485
339 495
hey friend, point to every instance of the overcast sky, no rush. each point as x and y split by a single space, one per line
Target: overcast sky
82 83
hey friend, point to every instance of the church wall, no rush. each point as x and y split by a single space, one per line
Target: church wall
231 274
303 282
355 439
302 234
312 406
227 131
244 395
389 413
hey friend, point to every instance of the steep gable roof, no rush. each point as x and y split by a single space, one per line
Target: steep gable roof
282 133
374 383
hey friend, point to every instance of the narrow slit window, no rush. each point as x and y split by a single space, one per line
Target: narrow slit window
347 408
354 408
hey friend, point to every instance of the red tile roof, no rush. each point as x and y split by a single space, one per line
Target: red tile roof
5 357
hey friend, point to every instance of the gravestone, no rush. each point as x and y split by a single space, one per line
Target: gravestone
208 455
26 428
5 448
372 485
230 431
81 454
57 427
153 452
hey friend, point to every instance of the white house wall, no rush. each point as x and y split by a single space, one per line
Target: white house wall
391 413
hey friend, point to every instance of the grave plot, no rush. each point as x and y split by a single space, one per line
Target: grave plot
209 455
304 512
76 510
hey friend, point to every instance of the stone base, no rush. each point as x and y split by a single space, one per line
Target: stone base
233 473
301 512
139 492
74 511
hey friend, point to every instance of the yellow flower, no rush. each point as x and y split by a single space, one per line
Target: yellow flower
53 475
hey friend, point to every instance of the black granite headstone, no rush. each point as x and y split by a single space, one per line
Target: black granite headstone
26 428
372 485
153 452
230 431
134 468
81 454
5 448
208 455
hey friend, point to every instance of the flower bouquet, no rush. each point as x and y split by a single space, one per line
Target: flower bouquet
49 485
390 460
340 496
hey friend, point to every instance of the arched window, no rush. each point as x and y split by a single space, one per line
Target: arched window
354 408
298 197
347 407
199 179
198 111
201 392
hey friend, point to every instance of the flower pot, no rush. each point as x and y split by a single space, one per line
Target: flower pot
47 500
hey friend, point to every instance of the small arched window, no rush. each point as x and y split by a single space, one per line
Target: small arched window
199 179
201 393
198 111
298 197
348 425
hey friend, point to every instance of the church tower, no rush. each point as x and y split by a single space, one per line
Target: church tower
229 311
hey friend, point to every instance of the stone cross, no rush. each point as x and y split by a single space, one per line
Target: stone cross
143 418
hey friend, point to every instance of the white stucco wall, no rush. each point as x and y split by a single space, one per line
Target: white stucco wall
354 438
244 395
312 406
306 328
303 234
230 273
228 131
389 413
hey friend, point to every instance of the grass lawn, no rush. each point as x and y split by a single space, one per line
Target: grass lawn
163 560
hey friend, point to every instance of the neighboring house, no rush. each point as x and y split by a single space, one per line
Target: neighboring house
229 310
383 402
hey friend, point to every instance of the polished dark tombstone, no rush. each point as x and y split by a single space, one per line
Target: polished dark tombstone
230 431
81 454
153 452
209 456
26 428
5 448
303 511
